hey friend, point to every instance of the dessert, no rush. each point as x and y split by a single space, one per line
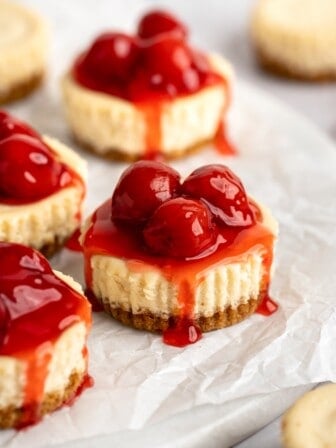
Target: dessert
42 187
23 40
310 422
147 95
294 42
179 257
44 322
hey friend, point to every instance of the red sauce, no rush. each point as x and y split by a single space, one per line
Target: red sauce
73 242
35 308
151 102
104 238
87 382
267 306
183 332
222 143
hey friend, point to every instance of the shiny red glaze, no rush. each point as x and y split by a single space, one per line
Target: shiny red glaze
111 57
267 306
157 23
222 143
141 189
28 169
223 192
10 125
73 242
182 333
39 307
180 228
87 382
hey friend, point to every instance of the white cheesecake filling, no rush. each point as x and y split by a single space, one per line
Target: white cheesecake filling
23 45
118 284
54 217
105 122
67 357
300 36
227 285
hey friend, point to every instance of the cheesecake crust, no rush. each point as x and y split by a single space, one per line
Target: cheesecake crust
10 416
50 249
156 323
117 155
22 89
278 68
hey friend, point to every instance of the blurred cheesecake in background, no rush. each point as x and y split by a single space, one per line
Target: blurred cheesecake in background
23 47
296 38
311 421
147 94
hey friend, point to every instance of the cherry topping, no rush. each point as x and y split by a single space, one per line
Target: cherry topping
141 189
21 257
223 192
111 56
180 228
10 125
156 23
182 333
169 66
4 321
28 169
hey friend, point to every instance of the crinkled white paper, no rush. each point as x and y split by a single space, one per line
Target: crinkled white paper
285 163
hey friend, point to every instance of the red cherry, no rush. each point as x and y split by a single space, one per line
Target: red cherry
28 169
168 64
4 320
15 256
223 192
158 22
180 228
111 56
10 125
141 189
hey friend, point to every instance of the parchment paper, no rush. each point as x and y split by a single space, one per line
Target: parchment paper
284 162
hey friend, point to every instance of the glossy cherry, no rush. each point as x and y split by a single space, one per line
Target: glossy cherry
223 192
141 189
17 256
180 228
169 66
10 125
28 169
111 57
157 23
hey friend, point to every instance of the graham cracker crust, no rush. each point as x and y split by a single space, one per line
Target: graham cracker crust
155 323
50 249
277 68
11 416
117 155
22 89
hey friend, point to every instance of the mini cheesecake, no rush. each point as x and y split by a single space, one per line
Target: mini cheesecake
44 323
311 421
23 45
151 94
42 187
296 39
180 258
